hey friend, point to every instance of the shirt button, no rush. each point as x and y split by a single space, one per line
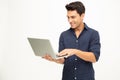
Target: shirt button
75 78
76 41
75 59
75 68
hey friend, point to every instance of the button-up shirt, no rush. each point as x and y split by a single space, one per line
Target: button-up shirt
76 68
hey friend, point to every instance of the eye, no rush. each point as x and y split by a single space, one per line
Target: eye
72 17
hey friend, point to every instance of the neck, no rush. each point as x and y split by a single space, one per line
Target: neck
79 30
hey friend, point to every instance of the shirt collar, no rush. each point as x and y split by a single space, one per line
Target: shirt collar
85 27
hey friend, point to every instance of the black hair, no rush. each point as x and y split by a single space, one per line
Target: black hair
78 6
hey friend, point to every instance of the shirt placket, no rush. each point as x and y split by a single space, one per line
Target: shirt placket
75 69
75 66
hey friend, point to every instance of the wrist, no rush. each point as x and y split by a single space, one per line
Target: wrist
77 52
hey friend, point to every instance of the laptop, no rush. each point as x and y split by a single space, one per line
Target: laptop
41 47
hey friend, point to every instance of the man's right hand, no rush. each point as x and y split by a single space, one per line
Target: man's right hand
49 58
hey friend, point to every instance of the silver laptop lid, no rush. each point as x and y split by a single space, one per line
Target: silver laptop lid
41 47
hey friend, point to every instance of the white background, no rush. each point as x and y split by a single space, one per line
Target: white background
20 19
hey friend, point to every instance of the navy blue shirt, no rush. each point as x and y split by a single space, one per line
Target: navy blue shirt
76 68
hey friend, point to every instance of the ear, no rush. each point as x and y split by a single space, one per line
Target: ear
82 15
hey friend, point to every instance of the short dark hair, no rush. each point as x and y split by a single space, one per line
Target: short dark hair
78 6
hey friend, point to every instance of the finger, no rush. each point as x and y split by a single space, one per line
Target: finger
63 53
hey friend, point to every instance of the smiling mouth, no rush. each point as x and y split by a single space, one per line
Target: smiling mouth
72 25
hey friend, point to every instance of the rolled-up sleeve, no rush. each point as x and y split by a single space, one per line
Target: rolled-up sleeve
95 44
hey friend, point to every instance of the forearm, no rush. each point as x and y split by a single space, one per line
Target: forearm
87 56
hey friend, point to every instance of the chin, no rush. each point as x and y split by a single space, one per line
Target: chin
73 27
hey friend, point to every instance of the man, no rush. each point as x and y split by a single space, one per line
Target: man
80 44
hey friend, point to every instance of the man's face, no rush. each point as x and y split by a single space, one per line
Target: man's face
74 19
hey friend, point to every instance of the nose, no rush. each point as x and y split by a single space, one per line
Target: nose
69 20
